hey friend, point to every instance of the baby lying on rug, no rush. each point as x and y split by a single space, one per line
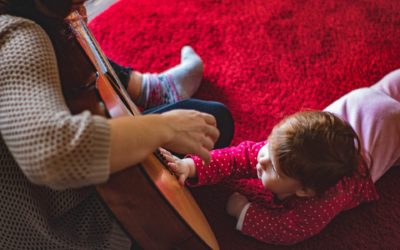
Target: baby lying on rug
314 165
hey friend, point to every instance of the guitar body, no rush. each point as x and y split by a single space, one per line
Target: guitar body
147 200
149 217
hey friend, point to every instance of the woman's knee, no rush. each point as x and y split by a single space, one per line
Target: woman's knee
225 124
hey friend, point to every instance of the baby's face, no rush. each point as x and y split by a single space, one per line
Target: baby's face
272 178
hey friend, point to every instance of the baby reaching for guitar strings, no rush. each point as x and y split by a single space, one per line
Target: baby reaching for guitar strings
314 165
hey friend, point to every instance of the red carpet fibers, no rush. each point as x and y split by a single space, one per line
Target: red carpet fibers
264 60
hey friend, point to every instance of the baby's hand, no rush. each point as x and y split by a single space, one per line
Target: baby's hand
183 168
235 205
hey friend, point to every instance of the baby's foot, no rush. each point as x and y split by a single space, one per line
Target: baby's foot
175 84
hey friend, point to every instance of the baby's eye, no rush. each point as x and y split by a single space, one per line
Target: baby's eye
274 170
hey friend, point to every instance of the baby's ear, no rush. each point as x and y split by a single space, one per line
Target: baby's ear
305 192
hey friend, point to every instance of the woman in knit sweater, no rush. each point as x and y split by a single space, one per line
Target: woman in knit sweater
50 159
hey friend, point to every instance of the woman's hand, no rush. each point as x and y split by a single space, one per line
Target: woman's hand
183 168
181 131
235 204
191 132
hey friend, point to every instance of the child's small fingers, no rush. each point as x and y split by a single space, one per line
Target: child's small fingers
169 158
172 166
182 179
164 151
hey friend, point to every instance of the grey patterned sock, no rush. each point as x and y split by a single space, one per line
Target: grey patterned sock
175 84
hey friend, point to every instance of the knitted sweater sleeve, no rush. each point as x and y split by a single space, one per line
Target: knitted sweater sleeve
51 146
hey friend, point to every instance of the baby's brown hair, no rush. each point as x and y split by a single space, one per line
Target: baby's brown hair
316 148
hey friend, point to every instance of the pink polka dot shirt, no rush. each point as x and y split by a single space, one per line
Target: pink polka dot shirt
266 218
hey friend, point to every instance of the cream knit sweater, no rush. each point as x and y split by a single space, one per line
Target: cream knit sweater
49 158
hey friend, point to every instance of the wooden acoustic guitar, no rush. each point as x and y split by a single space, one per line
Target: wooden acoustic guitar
147 200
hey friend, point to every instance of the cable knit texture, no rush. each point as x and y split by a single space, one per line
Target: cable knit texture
48 156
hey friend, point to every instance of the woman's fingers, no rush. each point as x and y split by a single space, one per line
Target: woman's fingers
208 143
211 129
209 119
205 155
213 133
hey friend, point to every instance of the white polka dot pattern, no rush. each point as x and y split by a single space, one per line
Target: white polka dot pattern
46 152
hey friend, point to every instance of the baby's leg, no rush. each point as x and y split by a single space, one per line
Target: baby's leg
390 85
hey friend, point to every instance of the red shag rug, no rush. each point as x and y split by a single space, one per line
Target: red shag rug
265 60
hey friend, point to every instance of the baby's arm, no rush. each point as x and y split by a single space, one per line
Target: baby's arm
227 163
183 168
234 162
237 206
277 224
